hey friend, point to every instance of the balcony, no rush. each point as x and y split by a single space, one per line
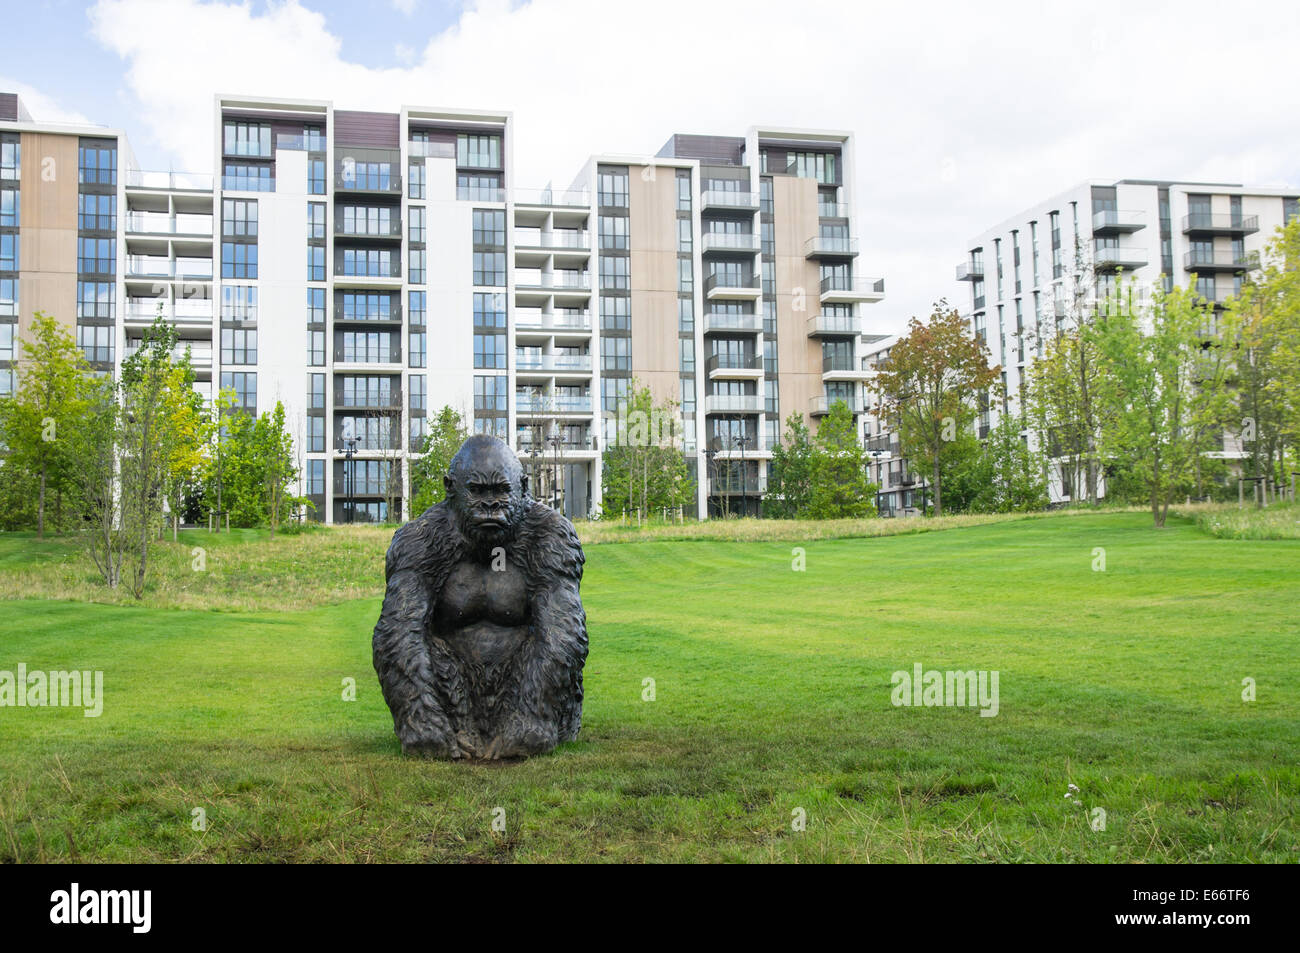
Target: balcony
554 363
247 183
367 399
886 444
353 184
183 313
431 150
479 193
1226 260
552 198
560 240
390 313
579 281
716 321
733 404
733 485
821 406
1124 256
200 352
824 246
1208 223
370 354
534 319
846 290
1117 222
834 325
842 367
728 201
832 210
733 367
366 269
380 229
727 287
543 451
168 181
161 223
712 242
550 404
159 266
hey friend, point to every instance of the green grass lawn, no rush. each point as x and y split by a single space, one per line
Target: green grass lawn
772 693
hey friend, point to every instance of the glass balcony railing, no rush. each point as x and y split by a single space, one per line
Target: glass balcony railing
830 245
553 362
554 198
721 321
1224 223
431 150
722 198
729 241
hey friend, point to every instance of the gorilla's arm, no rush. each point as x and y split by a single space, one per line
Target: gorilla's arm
421 682
540 700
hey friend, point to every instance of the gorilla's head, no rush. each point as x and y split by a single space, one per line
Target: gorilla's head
487 490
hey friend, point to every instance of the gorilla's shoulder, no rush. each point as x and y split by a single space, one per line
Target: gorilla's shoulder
551 542
420 543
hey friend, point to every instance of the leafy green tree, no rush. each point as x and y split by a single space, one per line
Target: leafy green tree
95 442
273 449
1157 389
840 487
44 409
964 470
789 488
645 469
446 433
1011 475
929 385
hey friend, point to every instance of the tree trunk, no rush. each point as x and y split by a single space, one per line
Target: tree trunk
938 492
40 508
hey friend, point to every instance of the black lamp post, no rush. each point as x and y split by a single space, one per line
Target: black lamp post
555 476
349 475
744 474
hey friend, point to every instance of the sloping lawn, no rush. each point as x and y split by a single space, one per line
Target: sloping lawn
771 703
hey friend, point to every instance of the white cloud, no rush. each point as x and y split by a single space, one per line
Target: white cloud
405 6
41 107
964 113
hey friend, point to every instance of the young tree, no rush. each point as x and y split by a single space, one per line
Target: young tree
155 433
44 409
1153 391
446 433
645 470
929 385
789 488
95 495
273 451
840 487
1012 479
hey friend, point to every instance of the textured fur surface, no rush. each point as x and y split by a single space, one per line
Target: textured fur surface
446 706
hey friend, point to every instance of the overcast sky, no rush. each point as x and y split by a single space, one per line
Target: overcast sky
964 113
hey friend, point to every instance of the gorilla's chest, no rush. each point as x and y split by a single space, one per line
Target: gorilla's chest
482 612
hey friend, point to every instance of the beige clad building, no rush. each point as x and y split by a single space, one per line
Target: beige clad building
366 269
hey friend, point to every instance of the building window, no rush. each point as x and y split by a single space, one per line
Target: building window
613 232
418 357
490 393
416 224
315 305
94 212
489 227
686 315
247 139
416 305
315 220
612 189
489 269
315 176
316 392
478 152
615 313
316 437
95 299
415 180
315 348
616 354
96 343
11 160
416 266
490 351
244 384
97 164
238 346
238 260
239 217
685 276
95 256
614 272
9 296
315 262
239 177
684 235
683 191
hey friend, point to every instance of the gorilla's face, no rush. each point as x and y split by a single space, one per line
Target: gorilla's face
485 487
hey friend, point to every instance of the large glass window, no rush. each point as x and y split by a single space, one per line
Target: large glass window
478 152
247 139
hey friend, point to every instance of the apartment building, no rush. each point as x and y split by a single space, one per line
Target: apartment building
1020 273
366 269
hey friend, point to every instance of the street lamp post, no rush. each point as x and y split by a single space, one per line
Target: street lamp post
709 476
349 475
744 475
555 474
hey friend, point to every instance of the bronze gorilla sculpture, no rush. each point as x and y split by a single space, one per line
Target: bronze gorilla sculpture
481 640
